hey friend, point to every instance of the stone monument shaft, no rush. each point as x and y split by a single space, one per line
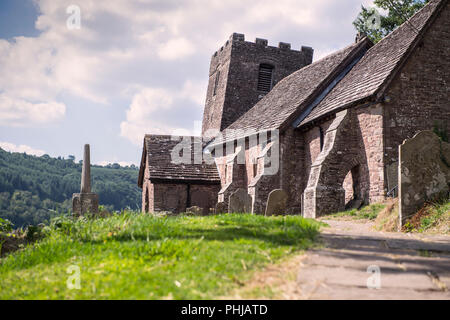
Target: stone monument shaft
86 171
85 201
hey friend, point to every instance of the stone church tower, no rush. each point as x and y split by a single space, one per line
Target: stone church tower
241 73
337 122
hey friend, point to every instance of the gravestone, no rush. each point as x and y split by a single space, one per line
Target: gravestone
240 202
85 201
221 207
194 210
276 202
424 172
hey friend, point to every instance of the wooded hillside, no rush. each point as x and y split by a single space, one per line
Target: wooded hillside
32 189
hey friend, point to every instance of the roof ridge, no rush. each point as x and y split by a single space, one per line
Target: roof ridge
418 34
356 51
305 69
149 135
405 23
278 112
379 66
334 53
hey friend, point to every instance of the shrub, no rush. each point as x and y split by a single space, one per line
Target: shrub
5 225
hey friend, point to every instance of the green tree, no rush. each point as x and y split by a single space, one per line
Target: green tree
33 189
376 25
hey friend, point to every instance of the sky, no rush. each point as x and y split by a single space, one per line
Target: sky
108 72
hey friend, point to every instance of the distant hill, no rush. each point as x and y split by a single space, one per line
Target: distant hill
32 189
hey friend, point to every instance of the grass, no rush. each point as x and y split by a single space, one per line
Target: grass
432 218
369 212
440 213
134 256
388 219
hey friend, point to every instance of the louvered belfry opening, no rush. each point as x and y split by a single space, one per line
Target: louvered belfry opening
265 77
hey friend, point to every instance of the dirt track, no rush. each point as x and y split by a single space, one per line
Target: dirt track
411 267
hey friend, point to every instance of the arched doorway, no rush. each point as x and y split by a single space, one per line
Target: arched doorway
352 187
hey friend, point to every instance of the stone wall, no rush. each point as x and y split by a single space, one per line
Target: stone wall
324 193
176 198
214 105
419 95
424 167
369 136
265 181
170 197
148 204
237 64
232 172
292 150
299 150
353 143
247 167
204 196
362 147
357 149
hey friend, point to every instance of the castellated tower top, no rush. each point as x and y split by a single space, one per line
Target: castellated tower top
241 73
264 43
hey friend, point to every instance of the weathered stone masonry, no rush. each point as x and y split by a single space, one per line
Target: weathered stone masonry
413 96
291 145
424 165
419 97
338 121
237 63
353 144
171 187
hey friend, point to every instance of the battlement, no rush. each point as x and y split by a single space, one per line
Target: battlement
239 37
241 73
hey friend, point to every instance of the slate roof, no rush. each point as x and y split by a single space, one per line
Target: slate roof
293 93
366 80
374 71
157 151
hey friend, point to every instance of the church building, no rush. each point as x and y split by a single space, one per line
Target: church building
326 132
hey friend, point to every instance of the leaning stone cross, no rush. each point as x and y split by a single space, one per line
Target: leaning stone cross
85 201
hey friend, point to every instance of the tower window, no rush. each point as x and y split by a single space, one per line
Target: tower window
216 83
265 77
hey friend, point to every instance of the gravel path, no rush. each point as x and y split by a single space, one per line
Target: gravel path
410 266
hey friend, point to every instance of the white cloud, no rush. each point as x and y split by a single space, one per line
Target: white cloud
121 163
21 149
194 91
174 49
151 105
19 113
148 101
141 114
150 56
291 11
